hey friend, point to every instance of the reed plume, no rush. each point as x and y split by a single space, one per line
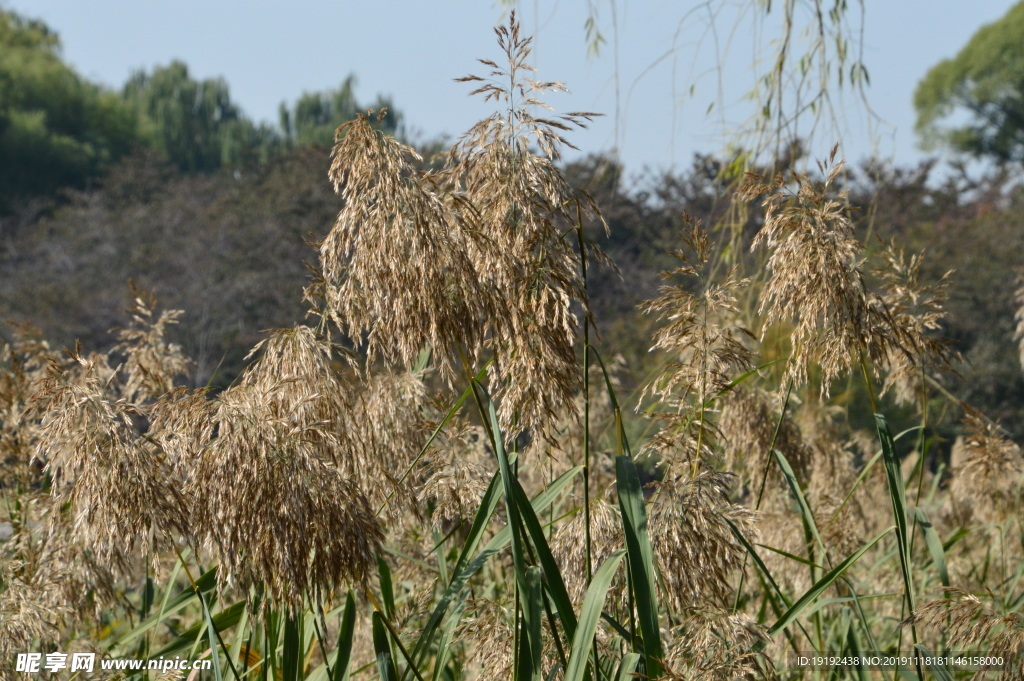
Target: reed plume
700 331
716 645
989 471
272 500
458 478
916 311
693 541
24 367
815 279
569 548
523 205
472 259
400 265
152 364
965 620
120 487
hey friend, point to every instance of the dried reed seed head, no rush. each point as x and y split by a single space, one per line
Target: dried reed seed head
964 620
569 548
700 332
386 427
523 206
458 479
489 635
152 364
832 463
181 423
815 281
32 608
121 487
273 502
748 424
694 545
24 366
916 312
989 471
714 645
699 326
400 265
471 259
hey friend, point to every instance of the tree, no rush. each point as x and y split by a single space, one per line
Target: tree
317 115
56 129
985 80
194 123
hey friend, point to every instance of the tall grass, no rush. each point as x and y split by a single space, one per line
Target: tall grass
433 478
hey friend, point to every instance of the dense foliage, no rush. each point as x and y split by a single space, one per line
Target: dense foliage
58 130
986 81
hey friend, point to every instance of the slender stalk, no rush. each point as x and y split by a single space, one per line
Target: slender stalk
586 401
206 607
586 415
394 634
760 492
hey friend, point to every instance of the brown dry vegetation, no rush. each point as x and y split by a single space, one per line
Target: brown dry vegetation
432 465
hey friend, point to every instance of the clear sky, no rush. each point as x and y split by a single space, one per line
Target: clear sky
270 51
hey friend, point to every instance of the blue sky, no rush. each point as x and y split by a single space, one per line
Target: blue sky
270 51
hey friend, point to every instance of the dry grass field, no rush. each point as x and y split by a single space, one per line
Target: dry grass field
439 473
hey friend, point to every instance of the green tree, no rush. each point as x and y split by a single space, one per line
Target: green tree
194 123
56 129
985 80
316 115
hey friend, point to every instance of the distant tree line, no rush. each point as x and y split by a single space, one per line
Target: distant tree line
57 129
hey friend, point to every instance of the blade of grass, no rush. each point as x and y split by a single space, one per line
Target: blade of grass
798 494
931 540
224 619
641 560
382 649
898 497
627 668
463 571
236 645
206 582
938 670
757 561
291 650
387 592
802 561
346 633
511 507
818 588
590 613
533 624
444 646
555 583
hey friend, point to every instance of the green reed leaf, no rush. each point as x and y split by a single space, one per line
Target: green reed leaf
819 587
382 649
555 582
934 544
641 560
590 613
898 497
346 633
